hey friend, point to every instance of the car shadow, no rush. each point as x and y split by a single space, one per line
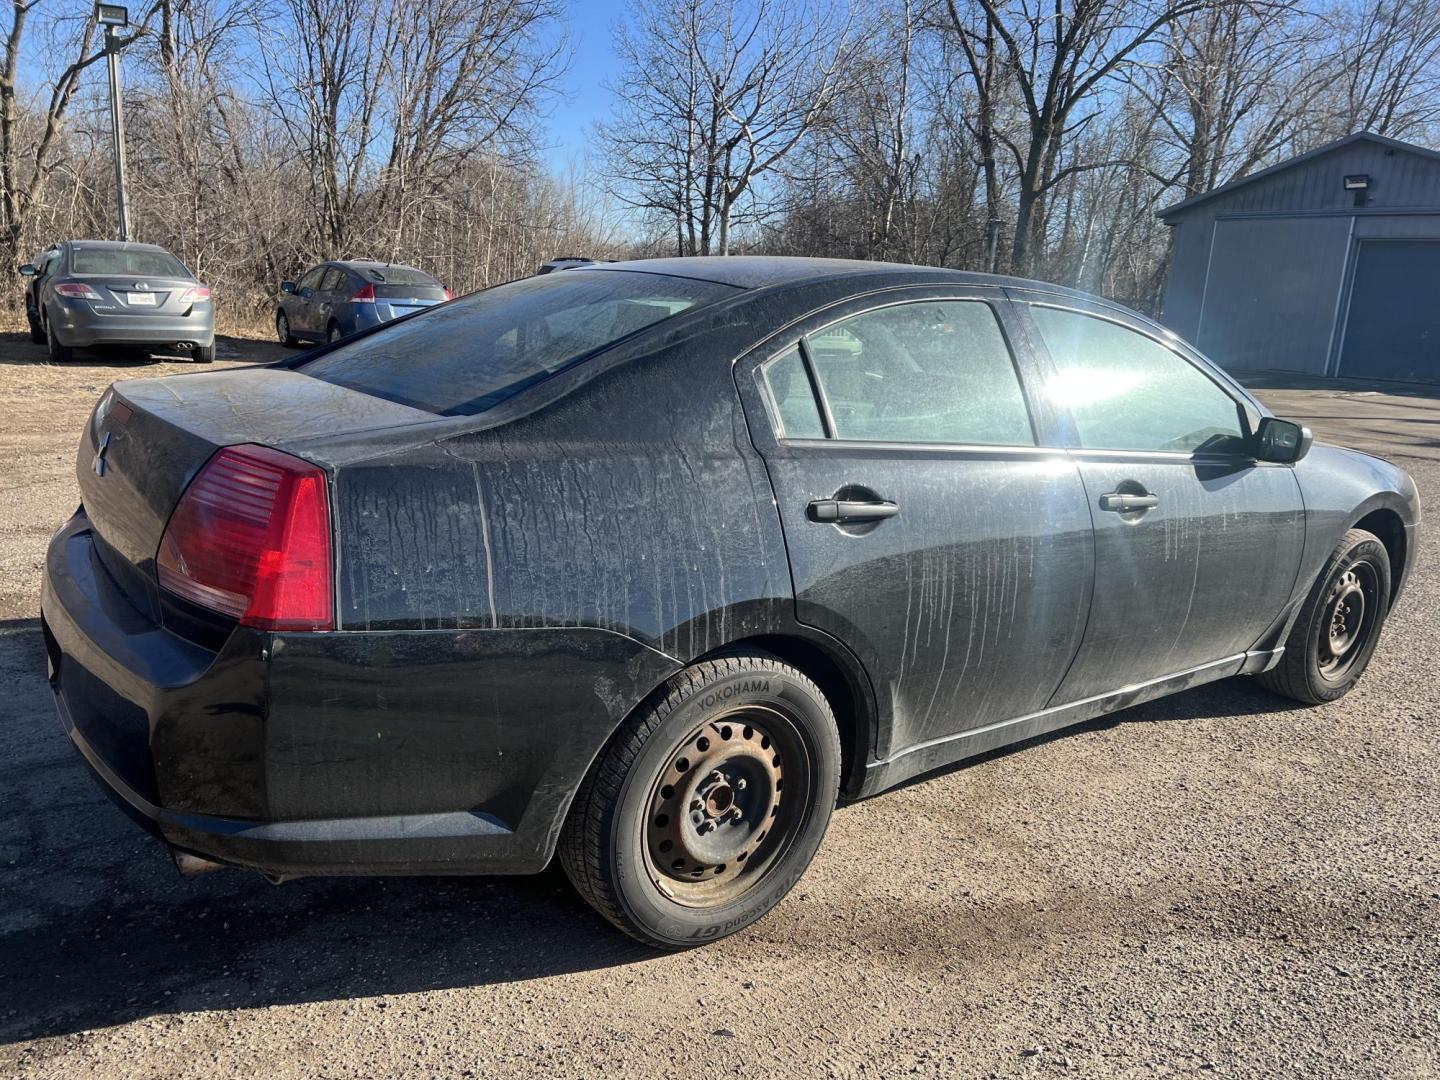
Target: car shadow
16 348
97 927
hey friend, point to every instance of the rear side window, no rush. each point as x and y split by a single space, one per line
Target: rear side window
933 372
794 399
1126 391
127 262
333 279
467 356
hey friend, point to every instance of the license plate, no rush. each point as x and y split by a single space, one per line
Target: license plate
140 299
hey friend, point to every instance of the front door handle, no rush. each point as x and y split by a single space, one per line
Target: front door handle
1119 502
842 511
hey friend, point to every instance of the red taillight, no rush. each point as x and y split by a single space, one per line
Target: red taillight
449 295
76 291
366 295
250 539
198 293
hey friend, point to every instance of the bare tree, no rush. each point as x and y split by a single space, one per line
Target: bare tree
1390 54
1059 55
384 102
713 96
30 138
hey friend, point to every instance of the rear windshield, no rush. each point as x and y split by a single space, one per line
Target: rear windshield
396 275
139 263
470 354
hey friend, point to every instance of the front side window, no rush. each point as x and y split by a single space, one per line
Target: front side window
1127 391
466 356
312 279
932 372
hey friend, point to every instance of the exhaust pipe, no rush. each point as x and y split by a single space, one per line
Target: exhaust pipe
191 865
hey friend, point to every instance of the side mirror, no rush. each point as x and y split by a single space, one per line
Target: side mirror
287 287
28 271
1282 441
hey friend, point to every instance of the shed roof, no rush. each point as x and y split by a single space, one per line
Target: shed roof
1299 159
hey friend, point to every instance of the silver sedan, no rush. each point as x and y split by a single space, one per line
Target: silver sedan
86 293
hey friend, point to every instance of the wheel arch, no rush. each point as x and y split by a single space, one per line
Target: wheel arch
1389 527
844 684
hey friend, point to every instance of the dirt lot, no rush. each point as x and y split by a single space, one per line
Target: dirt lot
1213 884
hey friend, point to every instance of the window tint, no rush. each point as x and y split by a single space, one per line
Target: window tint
333 279
466 356
117 260
936 372
1129 392
794 399
396 275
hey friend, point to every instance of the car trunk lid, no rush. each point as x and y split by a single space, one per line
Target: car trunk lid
139 295
149 437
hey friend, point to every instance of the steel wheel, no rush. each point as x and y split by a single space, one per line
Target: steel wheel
719 816
1338 626
708 804
1348 619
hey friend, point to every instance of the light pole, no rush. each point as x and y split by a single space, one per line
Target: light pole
114 18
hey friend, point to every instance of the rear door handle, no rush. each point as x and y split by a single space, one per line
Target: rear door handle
1122 502
846 510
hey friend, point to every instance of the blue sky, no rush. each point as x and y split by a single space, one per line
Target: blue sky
584 99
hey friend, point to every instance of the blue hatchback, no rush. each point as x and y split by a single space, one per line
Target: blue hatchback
337 299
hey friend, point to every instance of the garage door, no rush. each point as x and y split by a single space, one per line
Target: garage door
1271 290
1393 330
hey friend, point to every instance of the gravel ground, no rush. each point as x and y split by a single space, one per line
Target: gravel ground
1212 884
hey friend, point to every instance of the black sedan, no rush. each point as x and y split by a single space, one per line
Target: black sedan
647 563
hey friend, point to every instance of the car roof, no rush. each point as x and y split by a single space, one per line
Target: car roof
759 271
127 245
371 262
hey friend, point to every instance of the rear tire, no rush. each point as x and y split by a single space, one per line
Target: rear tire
709 803
205 354
332 333
1339 624
59 354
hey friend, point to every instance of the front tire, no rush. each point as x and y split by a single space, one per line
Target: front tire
37 328
1339 625
282 330
708 805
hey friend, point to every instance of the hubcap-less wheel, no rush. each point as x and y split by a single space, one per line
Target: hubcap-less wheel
719 815
1347 619
709 802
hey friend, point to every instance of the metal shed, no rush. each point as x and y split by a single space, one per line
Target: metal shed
1326 264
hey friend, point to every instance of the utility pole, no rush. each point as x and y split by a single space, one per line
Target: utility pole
114 18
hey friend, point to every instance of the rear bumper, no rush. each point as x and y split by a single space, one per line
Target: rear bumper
405 752
76 326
